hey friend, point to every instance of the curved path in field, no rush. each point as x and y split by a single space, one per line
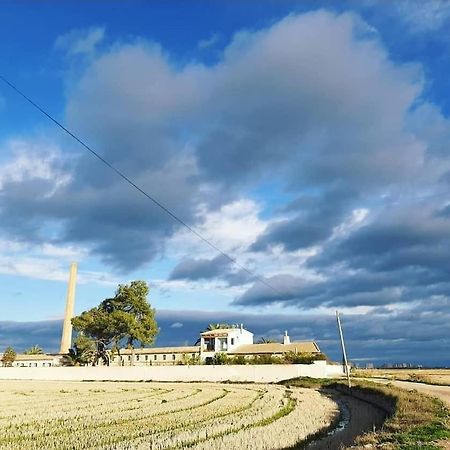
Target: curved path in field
357 417
441 392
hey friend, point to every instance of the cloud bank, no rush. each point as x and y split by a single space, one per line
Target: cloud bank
309 120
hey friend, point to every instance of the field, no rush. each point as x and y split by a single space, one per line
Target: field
431 376
95 415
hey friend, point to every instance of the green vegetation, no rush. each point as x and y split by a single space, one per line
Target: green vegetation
127 317
82 352
303 358
288 358
220 326
35 350
9 356
416 421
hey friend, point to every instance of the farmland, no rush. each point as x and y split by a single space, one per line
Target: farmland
88 415
430 376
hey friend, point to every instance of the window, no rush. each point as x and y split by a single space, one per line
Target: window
173 357
164 357
155 357
137 357
129 358
223 344
232 341
146 357
209 344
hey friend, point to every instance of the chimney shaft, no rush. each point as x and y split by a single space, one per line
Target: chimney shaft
286 338
66 338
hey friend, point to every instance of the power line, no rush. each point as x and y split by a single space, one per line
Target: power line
133 184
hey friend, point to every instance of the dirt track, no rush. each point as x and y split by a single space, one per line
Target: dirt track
441 392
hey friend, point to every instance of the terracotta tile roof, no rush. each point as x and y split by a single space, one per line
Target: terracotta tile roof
257 349
159 350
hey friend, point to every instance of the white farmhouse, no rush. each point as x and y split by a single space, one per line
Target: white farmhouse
224 340
234 341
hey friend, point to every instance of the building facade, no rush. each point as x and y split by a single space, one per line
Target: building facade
233 342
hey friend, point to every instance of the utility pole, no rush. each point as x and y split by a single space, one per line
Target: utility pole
344 353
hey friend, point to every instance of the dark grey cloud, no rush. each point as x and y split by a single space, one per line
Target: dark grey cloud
200 269
398 257
316 217
344 290
219 267
414 238
23 335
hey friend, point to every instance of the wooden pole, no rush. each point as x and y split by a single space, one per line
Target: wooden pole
344 353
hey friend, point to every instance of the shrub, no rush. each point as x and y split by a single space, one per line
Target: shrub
266 359
9 357
240 360
220 359
303 358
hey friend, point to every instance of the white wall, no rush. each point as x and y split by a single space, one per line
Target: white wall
250 373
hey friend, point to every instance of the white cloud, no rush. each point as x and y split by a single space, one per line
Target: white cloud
82 42
209 42
429 15
32 159
234 226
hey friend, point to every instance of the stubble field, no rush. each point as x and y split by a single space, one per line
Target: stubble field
430 376
92 415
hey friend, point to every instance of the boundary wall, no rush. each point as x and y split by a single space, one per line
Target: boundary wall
237 373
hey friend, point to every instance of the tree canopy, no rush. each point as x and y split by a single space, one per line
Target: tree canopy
9 356
127 317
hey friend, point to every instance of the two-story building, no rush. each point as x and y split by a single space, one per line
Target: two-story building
223 340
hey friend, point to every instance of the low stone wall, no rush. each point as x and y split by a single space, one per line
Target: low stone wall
238 373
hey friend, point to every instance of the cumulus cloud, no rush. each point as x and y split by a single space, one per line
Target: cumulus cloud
312 104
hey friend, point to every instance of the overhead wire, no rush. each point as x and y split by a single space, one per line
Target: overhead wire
134 185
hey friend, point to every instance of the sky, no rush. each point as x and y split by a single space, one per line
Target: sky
307 140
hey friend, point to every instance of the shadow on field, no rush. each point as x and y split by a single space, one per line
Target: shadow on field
356 417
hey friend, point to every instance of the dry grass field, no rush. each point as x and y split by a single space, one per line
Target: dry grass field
430 376
95 415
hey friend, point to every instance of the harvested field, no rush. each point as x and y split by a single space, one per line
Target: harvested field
77 415
430 376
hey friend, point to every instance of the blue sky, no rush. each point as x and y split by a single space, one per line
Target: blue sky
306 139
